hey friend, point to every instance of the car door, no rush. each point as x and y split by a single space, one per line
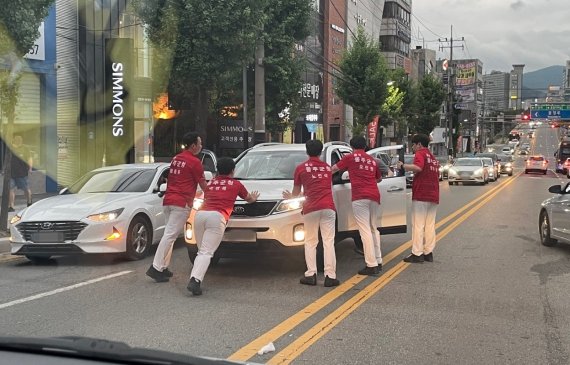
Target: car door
560 214
342 193
155 203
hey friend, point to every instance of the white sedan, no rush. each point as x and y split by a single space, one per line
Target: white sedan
114 209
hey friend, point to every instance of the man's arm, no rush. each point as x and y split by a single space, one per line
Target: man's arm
410 167
203 184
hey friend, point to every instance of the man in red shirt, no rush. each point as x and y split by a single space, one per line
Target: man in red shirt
315 178
210 222
364 175
425 198
186 173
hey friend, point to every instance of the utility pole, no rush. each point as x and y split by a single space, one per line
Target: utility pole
450 86
259 93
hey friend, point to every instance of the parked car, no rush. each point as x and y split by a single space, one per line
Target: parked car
554 216
468 169
273 223
506 164
536 163
114 209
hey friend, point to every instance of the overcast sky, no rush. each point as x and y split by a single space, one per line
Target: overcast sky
498 32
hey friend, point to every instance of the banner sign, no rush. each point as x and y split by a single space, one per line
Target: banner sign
466 73
466 93
372 131
231 134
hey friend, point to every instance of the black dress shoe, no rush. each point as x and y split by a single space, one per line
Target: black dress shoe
413 259
194 287
158 276
370 270
167 273
331 282
309 280
429 257
10 209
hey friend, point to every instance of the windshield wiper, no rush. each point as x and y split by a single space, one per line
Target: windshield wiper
92 348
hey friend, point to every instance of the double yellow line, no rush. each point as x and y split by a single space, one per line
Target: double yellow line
303 342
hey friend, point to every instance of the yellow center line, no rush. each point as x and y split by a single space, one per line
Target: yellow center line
302 343
248 351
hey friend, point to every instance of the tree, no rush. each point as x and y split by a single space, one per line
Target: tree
197 43
430 97
364 75
19 22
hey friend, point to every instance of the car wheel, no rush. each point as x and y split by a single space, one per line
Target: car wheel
192 253
139 238
526 171
450 183
510 174
544 172
545 230
39 260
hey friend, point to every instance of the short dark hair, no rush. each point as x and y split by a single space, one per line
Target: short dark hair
226 165
314 147
420 138
190 138
358 142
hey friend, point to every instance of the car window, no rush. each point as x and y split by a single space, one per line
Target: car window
208 162
113 181
467 162
537 158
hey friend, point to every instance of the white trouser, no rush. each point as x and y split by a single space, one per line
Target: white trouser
209 227
423 227
366 215
325 219
175 217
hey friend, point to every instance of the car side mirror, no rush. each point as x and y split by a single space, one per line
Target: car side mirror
161 190
345 177
208 175
63 191
555 189
485 165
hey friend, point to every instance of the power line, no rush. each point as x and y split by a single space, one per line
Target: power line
431 31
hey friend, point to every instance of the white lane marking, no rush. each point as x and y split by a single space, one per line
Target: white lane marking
64 289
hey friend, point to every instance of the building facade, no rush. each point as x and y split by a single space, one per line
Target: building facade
567 82
395 34
516 82
496 91
423 63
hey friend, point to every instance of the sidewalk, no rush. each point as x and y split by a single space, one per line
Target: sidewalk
19 204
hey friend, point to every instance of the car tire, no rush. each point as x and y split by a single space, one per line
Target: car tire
139 238
510 174
192 253
39 260
544 230
545 171
450 183
526 171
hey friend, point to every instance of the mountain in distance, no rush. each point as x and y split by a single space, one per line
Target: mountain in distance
536 83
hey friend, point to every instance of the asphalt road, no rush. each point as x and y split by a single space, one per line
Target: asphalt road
492 295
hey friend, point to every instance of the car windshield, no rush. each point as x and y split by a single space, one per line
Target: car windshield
114 181
505 158
467 162
268 165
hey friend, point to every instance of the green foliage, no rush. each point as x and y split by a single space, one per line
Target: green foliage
19 22
364 77
430 96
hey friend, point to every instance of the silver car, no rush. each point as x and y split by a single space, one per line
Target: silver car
554 218
468 169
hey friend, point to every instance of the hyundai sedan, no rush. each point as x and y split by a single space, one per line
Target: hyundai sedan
115 209
554 216
468 169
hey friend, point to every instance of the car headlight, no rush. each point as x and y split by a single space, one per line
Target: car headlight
440 169
446 167
290 204
452 171
15 219
198 202
478 172
106 216
509 164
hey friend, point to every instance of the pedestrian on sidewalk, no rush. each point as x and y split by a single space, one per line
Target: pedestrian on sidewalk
364 176
210 222
184 176
21 168
314 177
425 199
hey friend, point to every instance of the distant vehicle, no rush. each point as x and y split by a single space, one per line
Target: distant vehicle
409 159
567 167
506 150
492 169
561 155
468 169
444 165
506 164
514 135
554 216
525 146
536 163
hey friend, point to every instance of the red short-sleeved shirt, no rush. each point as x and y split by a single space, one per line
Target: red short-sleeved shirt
315 177
221 194
364 173
425 186
185 173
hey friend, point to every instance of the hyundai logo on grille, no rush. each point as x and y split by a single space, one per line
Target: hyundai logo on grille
239 210
46 225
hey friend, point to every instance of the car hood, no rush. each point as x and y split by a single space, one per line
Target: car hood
467 168
75 206
268 189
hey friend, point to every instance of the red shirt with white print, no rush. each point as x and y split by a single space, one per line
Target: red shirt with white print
315 177
221 193
185 173
425 186
364 174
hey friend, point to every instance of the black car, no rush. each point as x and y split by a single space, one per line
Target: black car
506 164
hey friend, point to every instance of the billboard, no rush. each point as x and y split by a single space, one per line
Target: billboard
466 73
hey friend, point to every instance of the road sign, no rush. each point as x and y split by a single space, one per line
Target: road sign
461 106
445 65
545 114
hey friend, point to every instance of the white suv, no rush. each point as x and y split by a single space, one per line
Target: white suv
275 223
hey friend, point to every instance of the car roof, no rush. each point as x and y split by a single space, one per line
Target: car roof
279 147
154 165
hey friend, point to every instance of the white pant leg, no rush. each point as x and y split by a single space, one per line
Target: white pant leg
374 213
419 213
361 210
175 218
328 220
214 225
430 228
311 221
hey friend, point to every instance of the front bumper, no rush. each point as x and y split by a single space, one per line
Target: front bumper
466 178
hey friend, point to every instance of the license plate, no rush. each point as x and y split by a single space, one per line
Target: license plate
47 237
240 235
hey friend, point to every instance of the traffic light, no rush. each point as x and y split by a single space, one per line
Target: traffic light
526 116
